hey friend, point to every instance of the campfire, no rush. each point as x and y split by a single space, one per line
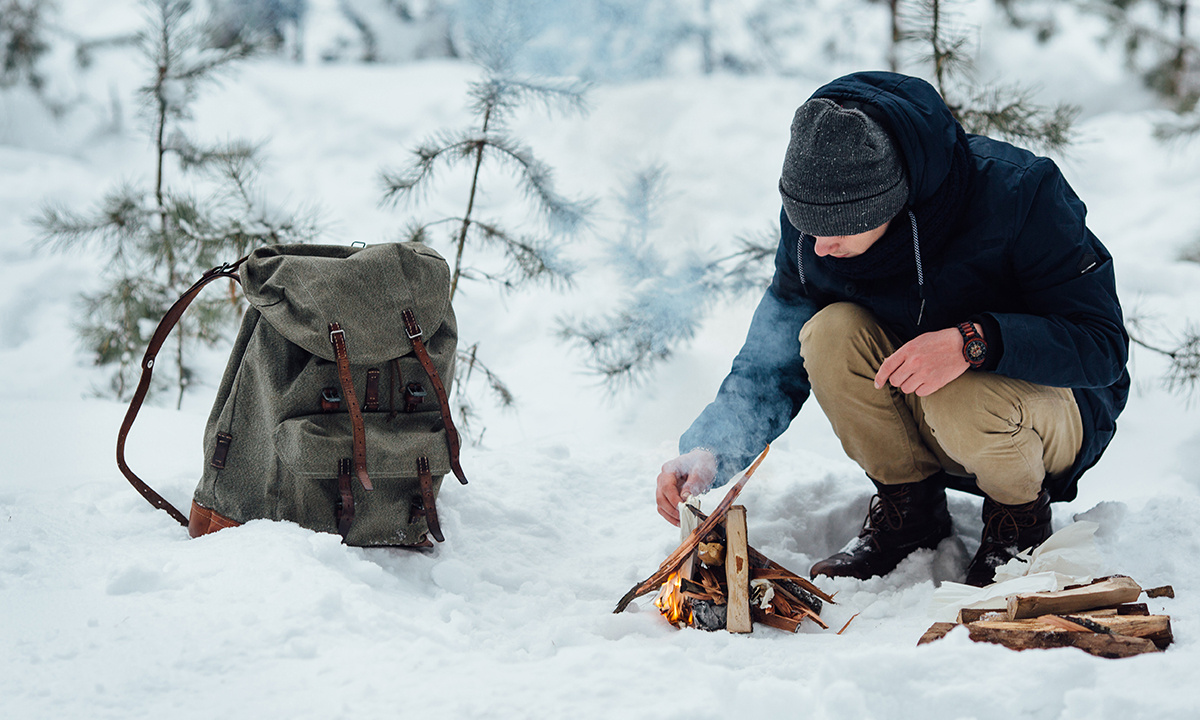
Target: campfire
716 580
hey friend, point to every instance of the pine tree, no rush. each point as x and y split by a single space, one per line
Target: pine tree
527 258
667 299
1005 111
273 25
159 239
23 42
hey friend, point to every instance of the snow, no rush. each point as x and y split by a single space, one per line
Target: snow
108 610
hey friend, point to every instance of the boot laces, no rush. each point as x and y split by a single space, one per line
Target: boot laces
1003 525
882 515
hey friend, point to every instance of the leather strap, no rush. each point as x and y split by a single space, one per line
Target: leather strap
414 334
139 395
428 500
337 336
345 508
371 395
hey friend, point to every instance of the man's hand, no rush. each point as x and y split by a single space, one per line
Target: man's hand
925 364
686 476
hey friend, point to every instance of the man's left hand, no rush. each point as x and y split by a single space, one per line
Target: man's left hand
925 364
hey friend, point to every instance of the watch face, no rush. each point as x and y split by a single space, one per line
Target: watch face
975 351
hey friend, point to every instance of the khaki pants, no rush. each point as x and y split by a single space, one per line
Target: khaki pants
1007 434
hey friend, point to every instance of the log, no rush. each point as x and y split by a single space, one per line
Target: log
803 585
1111 591
970 615
677 557
1101 645
771 619
1164 591
737 572
687 523
1030 634
936 631
798 604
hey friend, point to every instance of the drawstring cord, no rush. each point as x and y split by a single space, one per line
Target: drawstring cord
916 252
920 270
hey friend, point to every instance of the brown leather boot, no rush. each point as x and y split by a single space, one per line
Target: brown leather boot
1007 530
900 519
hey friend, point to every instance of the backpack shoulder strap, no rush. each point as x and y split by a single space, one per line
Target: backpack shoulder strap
414 334
156 342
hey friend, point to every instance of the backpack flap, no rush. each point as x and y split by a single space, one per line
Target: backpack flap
300 289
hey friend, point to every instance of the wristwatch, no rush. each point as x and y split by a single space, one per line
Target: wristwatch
974 346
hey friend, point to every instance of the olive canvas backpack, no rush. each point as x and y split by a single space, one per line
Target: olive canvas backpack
333 410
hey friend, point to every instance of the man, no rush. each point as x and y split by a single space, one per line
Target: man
942 298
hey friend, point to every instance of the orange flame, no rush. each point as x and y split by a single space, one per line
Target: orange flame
671 603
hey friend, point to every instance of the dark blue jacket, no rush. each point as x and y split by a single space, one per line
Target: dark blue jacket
1022 259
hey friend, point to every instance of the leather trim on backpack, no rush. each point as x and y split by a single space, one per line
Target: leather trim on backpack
414 335
428 499
337 336
204 521
156 342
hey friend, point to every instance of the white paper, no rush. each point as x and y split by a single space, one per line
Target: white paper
1068 557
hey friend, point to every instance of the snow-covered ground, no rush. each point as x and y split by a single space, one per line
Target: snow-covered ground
108 610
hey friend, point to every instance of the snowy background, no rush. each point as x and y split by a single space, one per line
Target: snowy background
108 610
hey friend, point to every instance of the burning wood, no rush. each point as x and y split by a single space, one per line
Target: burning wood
715 579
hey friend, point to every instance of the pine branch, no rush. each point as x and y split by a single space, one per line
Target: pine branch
1009 113
120 218
536 180
500 96
444 150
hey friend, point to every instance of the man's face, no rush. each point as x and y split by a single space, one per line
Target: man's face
844 246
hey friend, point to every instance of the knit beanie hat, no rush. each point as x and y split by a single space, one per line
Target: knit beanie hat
842 174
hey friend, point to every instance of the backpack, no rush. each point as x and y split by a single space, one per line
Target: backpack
332 412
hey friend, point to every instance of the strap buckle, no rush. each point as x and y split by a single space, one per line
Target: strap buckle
334 333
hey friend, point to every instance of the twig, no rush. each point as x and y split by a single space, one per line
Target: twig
675 559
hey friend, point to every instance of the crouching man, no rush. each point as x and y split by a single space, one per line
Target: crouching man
943 299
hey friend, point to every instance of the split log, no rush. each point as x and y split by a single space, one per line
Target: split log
687 524
770 619
674 560
1111 591
799 604
970 615
1099 644
936 631
737 572
803 587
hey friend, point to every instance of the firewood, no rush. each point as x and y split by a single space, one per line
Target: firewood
677 557
936 631
711 553
1102 645
762 562
1164 591
773 620
687 523
1027 634
970 615
737 572
1111 591
1064 623
799 605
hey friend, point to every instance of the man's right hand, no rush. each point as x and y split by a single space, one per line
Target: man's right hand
686 476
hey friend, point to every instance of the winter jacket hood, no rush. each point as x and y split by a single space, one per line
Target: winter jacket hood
912 110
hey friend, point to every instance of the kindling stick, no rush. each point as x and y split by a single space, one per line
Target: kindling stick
675 559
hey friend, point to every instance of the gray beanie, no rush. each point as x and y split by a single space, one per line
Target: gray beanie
841 174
